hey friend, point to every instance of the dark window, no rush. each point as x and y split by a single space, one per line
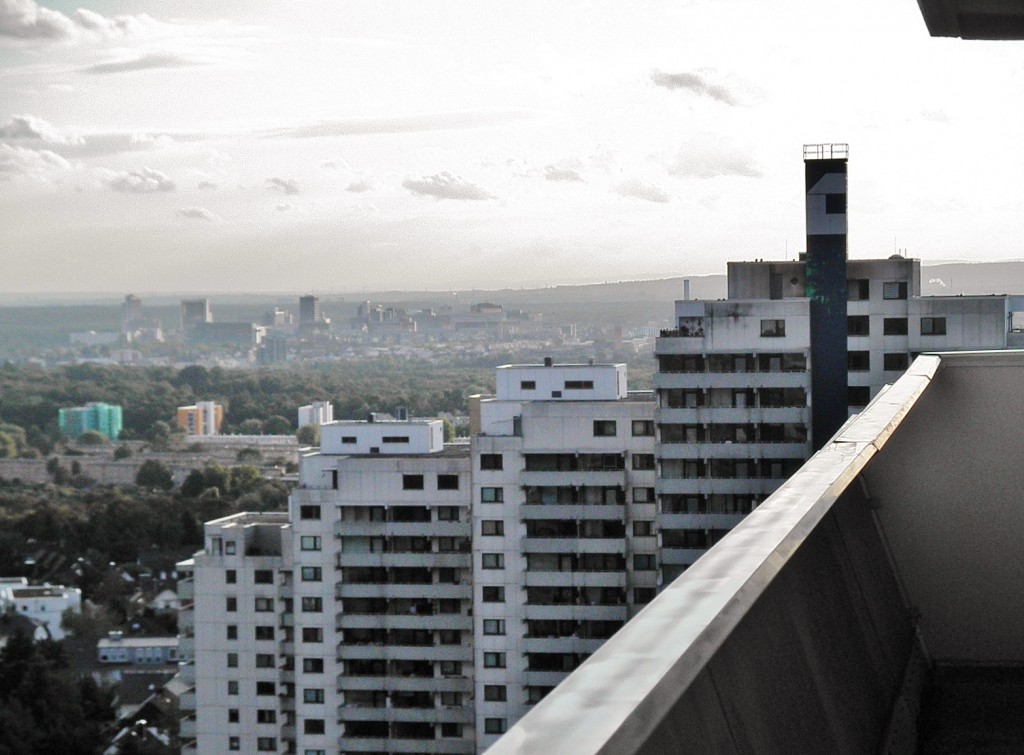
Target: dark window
492 560
313 726
313 665
528 385
309 512
233 717
643 528
579 385
235 743
494 626
643 427
858 395
264 660
312 605
835 204
264 605
263 577
858 361
858 325
232 660
348 439
492 495
266 744
312 634
495 693
494 527
447 513
312 695
894 290
232 687
412 482
773 328
312 574
396 438
494 660
232 631
264 716
450 729
643 495
490 461
644 562
265 688
895 361
894 326
556 394
495 725
493 594
643 594
264 633
643 461
933 326
230 603
857 289
447 482
230 576
604 428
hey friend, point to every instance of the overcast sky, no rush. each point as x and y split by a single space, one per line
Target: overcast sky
241 146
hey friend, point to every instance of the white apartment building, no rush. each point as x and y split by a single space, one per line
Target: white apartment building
564 545
43 604
317 413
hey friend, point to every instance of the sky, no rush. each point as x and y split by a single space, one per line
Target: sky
230 146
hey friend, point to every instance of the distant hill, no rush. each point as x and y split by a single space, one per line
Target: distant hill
973 278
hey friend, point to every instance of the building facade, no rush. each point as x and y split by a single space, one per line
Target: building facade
96 415
203 418
317 413
44 605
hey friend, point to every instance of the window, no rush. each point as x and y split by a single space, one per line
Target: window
492 560
264 716
412 482
556 394
447 513
230 576
232 631
494 527
266 744
263 577
450 729
933 326
773 328
604 428
493 594
229 548
309 512
643 595
265 688
232 687
643 495
234 743
230 603
312 634
527 385
314 752
894 326
447 482
312 574
451 668
313 726
894 290
450 637
264 660
643 528
644 562
232 660
858 395
894 361
309 542
492 495
348 439
264 604
312 605
495 693
312 695
494 660
858 361
858 325
835 204
232 715
264 633
495 725
396 438
313 665
490 462
857 289
494 626
643 461
643 427
579 385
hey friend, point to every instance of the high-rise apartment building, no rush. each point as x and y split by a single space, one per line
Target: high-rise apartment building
202 418
193 312
564 545
96 415
131 312
309 310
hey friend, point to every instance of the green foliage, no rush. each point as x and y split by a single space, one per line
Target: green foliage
308 435
251 427
153 474
122 452
277 425
8 446
93 438
449 431
250 456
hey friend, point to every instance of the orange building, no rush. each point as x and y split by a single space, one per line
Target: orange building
204 418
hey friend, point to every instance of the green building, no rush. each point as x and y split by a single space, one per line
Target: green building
104 418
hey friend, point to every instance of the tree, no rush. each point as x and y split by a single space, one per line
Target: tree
93 438
8 447
250 456
153 474
449 431
277 425
122 452
159 434
308 435
251 427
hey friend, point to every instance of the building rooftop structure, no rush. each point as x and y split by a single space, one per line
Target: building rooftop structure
875 584
974 19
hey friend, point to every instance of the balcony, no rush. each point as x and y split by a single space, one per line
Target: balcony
187 727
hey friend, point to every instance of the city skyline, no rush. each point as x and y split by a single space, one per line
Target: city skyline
344 147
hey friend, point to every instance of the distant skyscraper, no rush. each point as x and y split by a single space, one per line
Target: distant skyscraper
309 310
103 418
194 311
131 312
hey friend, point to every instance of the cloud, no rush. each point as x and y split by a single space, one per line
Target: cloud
141 63
207 185
17 160
26 19
366 183
29 127
634 187
695 83
285 206
146 181
287 185
400 124
197 213
551 173
937 116
445 186
706 157
336 164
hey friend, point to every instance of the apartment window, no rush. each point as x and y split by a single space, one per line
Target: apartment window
229 548
264 660
527 385
264 633
412 482
492 527
858 289
644 562
232 686
858 325
312 605
314 752
309 512
265 716
396 438
312 574
643 495
894 290
494 626
495 693
313 726
264 604
933 326
643 595
894 326
312 634
604 428
643 528
230 604
556 394
313 695
492 495
835 204
858 361
232 715
643 427
348 439
263 577
450 729
492 560
232 660
309 542
266 744
494 660
447 482
447 513
495 725
642 462
230 576
490 462
451 668
895 361
313 665
234 743
773 328
858 395
232 631
579 385
493 594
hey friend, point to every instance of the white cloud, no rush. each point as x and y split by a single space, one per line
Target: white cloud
402 124
26 19
634 187
287 185
29 127
17 160
695 83
197 213
358 186
142 63
207 185
285 206
552 173
145 181
445 186
705 156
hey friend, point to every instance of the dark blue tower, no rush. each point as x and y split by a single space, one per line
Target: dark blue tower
825 183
